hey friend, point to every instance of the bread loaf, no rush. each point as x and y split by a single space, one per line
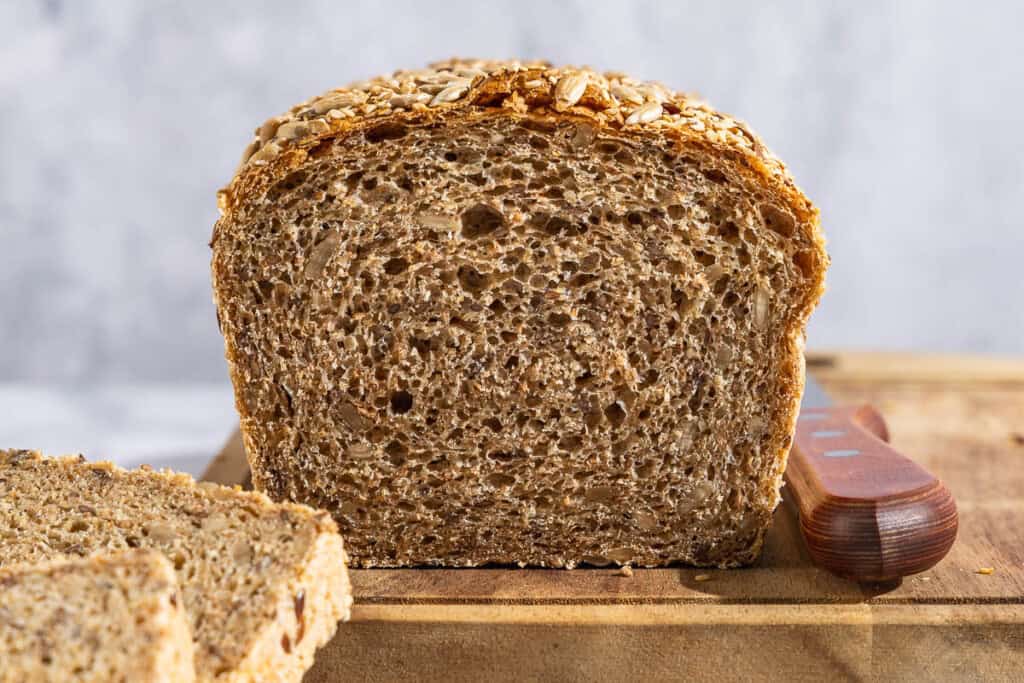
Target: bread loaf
496 312
116 618
263 584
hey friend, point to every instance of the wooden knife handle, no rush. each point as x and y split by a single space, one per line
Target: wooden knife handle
867 512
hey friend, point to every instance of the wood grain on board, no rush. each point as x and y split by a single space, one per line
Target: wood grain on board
961 417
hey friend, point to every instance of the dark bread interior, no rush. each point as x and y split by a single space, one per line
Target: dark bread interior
502 337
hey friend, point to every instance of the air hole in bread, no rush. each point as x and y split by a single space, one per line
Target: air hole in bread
472 280
500 480
388 131
570 443
777 220
714 175
397 452
615 413
395 266
704 258
401 402
806 261
481 220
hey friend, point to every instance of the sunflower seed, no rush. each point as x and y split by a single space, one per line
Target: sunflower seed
336 101
292 130
265 153
318 126
438 221
432 77
570 89
645 113
449 94
407 100
160 532
761 304
269 129
241 552
625 93
653 91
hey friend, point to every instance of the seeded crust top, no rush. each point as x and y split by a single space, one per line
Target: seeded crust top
612 99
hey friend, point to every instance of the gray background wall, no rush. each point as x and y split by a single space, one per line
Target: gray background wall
119 120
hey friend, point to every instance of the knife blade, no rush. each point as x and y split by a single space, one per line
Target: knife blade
867 512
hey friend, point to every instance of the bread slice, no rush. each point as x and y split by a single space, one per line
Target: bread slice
114 618
495 312
263 584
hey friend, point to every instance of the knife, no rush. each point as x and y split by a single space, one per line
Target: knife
867 512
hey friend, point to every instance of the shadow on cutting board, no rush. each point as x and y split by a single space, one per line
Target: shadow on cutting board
785 573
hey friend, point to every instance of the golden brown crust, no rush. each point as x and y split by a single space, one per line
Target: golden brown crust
453 87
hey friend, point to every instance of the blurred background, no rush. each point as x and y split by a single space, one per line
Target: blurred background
119 121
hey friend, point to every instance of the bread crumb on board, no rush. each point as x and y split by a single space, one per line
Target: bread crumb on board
985 570
702 578
625 570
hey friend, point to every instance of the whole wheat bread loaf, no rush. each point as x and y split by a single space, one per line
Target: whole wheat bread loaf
264 584
103 619
495 312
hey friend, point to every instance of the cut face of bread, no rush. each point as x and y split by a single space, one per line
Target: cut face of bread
263 584
515 330
116 618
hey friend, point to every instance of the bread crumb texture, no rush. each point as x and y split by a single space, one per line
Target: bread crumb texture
116 618
263 584
499 312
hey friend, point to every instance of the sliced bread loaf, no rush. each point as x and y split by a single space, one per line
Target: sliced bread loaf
112 618
496 312
263 584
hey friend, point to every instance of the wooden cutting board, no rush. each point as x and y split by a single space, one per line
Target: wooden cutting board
962 417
